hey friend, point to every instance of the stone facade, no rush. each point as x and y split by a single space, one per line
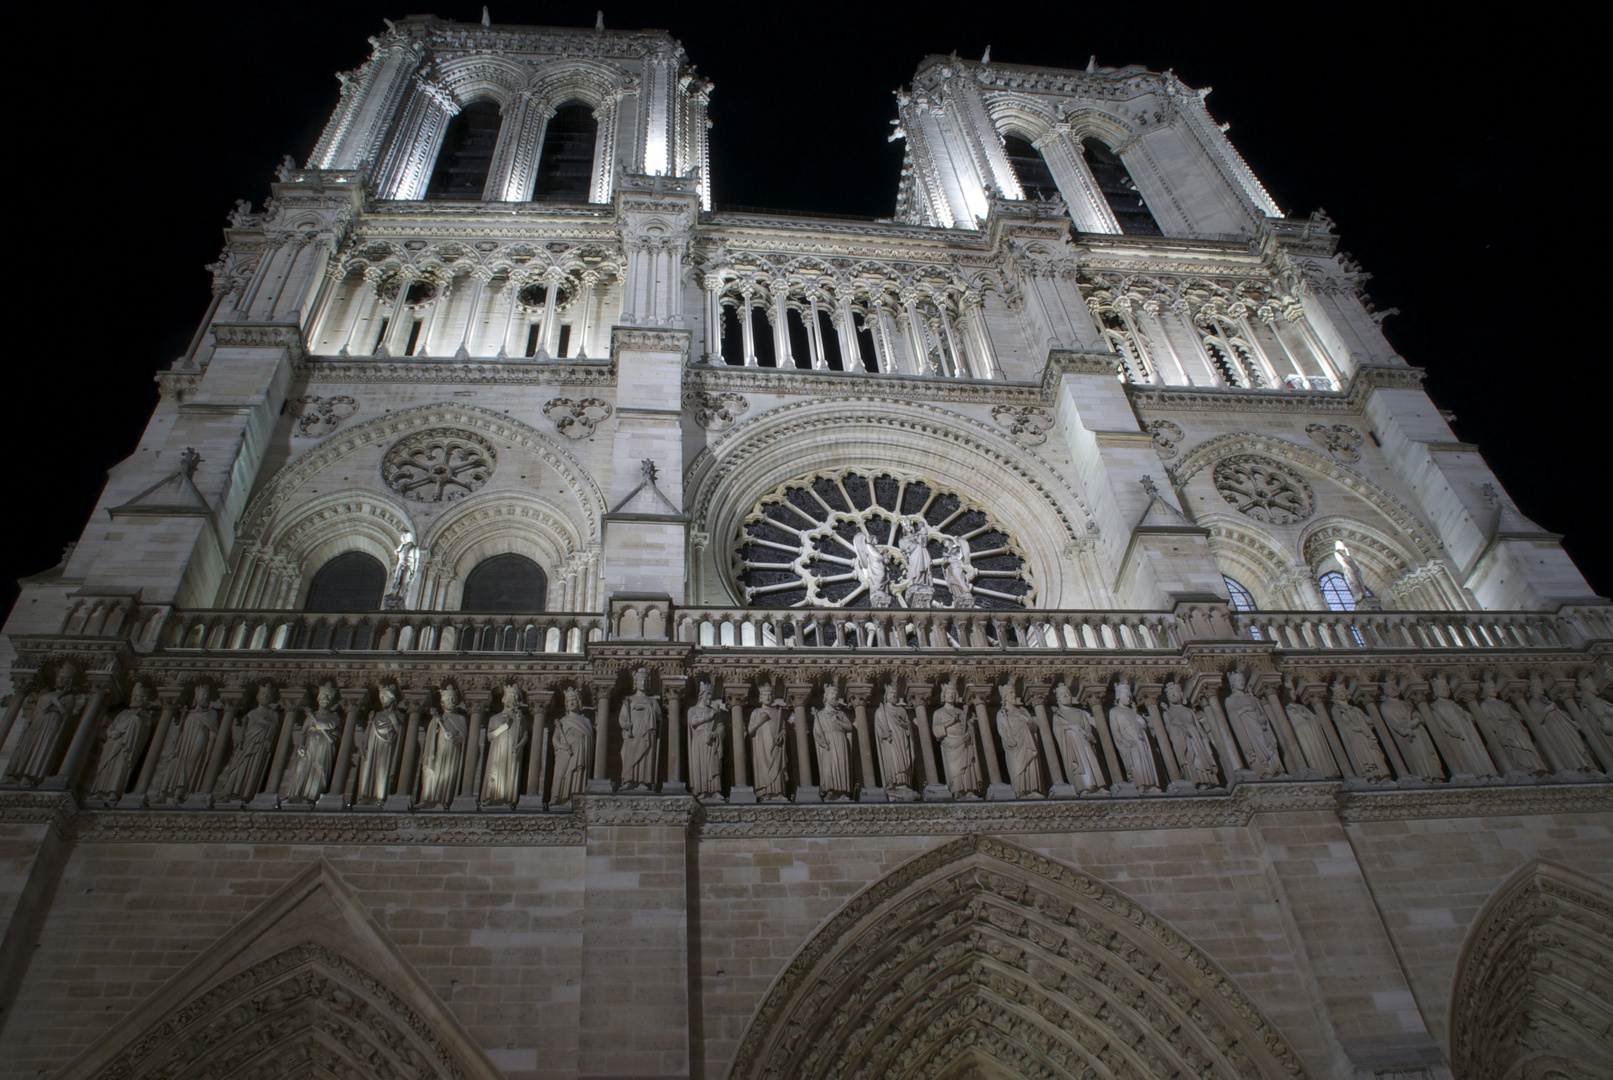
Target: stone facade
1048 633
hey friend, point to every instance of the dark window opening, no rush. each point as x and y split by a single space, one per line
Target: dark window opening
865 343
831 341
419 292
532 296
762 338
380 339
1241 598
532 340
505 585
414 338
466 154
1030 168
565 340
1124 200
733 337
350 582
566 163
800 343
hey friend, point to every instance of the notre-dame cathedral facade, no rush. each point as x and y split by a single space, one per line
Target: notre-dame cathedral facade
551 628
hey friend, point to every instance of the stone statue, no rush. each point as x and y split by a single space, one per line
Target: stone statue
239 215
184 768
506 735
255 738
1509 730
1186 729
1560 730
1465 751
34 756
316 743
706 734
1308 730
1131 740
767 736
1253 729
125 737
442 756
573 742
1017 729
919 584
378 747
957 574
893 735
955 729
405 563
1355 729
1417 745
1364 600
1077 733
872 570
1597 709
640 720
831 732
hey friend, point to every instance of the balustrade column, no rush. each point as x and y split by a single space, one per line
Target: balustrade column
470 780
978 696
537 762
546 332
820 356
672 690
781 325
742 791
587 294
871 791
805 790
1156 723
917 355
599 783
851 354
270 797
407 778
511 287
463 352
1056 770
221 747
747 329
79 749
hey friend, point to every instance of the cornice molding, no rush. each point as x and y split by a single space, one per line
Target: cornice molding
290 827
719 378
328 369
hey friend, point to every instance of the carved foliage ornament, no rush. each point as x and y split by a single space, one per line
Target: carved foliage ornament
319 416
438 465
1028 424
1166 436
1341 441
715 411
1264 489
861 538
576 419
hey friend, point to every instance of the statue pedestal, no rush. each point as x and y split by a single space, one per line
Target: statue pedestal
1062 791
741 794
901 794
265 800
937 793
1000 793
872 794
134 800
674 787
807 794
1180 787
1125 790
198 800
529 804
330 801
599 787
463 804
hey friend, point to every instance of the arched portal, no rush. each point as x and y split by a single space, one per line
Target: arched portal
1532 999
980 958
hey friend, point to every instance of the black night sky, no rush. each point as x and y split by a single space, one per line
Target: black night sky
1454 154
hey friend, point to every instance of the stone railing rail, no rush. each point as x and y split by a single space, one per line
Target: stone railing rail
234 708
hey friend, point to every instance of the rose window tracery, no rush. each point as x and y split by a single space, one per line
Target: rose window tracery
439 465
859 539
1264 489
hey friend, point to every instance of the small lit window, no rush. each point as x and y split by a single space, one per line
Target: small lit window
1336 591
1241 599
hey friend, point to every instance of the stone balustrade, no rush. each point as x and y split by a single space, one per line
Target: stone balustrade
460 712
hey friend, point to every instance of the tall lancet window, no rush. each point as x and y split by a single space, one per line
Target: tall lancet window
1030 168
566 164
466 154
1124 200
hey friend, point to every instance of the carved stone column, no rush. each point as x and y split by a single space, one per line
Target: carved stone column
870 789
979 695
78 750
599 783
335 796
935 786
742 791
672 693
269 798
169 696
1149 699
221 747
537 762
20 689
1094 698
470 780
1058 774
805 790
408 774
1369 700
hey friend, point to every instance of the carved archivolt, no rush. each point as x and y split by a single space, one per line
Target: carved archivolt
982 948
1532 998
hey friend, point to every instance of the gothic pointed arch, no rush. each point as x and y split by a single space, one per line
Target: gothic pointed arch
982 955
1531 999
307 985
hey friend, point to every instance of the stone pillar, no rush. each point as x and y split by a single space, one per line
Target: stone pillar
1094 699
269 799
978 696
537 762
672 695
870 788
221 745
78 750
805 790
742 791
1149 700
169 698
408 771
599 783
19 693
470 781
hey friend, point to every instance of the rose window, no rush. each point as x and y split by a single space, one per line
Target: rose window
438 466
849 539
1264 489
